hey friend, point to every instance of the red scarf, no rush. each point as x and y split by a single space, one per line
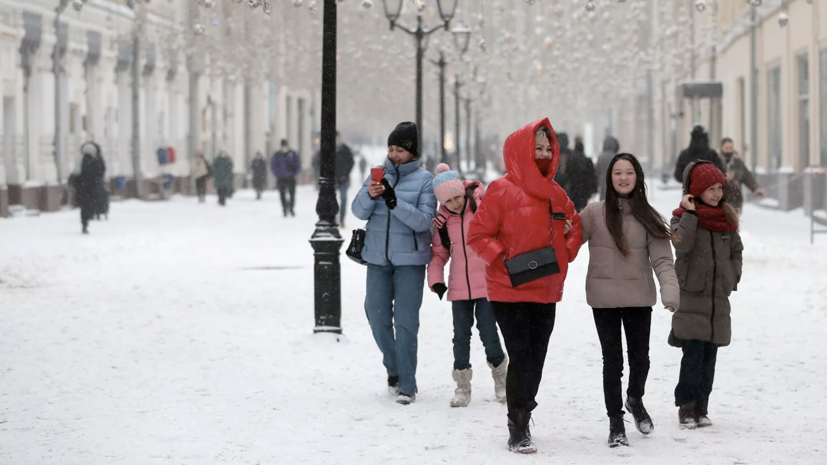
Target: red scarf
710 218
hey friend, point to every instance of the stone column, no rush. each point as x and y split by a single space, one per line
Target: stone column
123 159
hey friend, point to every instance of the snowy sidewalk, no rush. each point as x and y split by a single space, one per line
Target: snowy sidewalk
181 333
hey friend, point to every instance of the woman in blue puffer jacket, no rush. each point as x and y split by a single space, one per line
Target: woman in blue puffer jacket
400 212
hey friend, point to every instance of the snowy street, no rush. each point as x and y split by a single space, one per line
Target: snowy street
182 333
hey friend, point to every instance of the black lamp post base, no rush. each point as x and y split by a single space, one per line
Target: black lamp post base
327 243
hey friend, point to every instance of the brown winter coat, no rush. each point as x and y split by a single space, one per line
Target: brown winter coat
615 281
708 265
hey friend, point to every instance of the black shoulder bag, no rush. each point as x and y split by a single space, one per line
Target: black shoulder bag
537 263
357 243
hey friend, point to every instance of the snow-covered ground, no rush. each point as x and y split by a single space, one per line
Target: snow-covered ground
182 333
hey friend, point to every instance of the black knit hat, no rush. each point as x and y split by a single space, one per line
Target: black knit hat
405 135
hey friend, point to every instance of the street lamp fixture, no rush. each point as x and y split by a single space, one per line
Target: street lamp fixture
393 8
462 37
447 9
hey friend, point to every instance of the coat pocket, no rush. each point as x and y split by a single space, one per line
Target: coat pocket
691 278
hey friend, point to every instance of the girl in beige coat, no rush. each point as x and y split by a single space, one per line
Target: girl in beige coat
627 240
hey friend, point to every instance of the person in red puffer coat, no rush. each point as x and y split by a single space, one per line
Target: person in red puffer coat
525 211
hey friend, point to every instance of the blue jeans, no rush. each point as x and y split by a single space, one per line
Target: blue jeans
392 301
487 326
343 187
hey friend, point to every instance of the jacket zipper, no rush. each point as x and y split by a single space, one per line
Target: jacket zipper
464 251
714 279
388 229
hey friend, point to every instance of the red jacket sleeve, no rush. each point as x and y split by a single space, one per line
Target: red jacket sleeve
482 234
574 239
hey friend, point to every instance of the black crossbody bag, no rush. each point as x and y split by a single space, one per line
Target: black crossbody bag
537 263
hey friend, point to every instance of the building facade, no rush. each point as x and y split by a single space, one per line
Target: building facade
71 80
790 110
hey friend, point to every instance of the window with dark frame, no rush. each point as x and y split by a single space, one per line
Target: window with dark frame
774 129
822 104
803 65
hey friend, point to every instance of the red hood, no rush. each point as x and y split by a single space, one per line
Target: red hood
518 152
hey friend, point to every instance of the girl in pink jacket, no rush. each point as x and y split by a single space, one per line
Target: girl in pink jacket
466 283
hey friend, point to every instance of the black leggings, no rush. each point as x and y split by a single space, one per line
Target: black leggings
526 328
637 322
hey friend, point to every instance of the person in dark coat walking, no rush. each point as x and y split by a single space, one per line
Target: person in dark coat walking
286 164
344 165
102 197
223 169
259 168
582 181
737 174
708 265
611 147
88 183
562 176
698 150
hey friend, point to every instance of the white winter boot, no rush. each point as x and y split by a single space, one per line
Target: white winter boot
499 373
462 395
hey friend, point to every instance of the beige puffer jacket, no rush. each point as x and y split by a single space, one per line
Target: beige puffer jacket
615 281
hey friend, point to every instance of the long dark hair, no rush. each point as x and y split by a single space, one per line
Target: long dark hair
469 196
646 215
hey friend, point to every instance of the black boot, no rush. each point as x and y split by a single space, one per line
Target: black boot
519 439
617 431
643 422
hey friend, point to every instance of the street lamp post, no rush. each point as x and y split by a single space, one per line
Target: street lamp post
468 133
457 98
393 8
442 64
326 240
462 38
753 88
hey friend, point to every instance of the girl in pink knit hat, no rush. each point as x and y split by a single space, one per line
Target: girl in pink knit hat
466 284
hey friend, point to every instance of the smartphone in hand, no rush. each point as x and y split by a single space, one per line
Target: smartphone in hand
376 174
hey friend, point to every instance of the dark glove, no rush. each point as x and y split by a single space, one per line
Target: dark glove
440 289
388 194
